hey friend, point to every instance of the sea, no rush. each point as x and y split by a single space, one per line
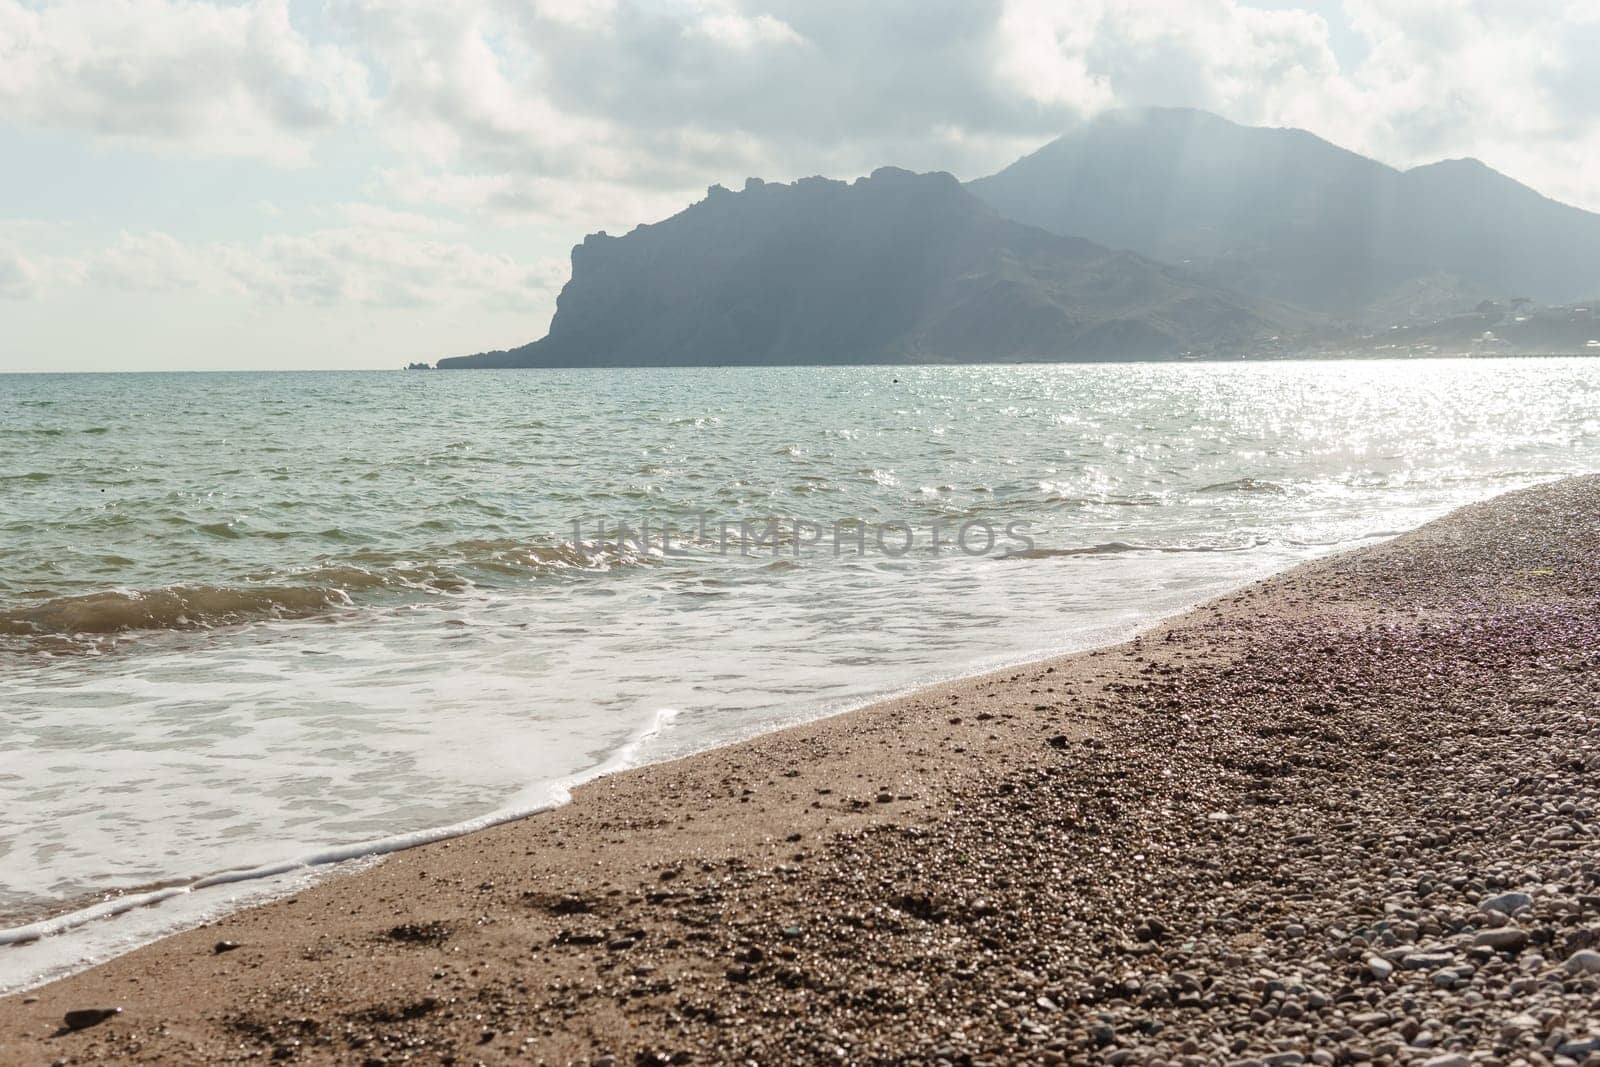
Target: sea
259 626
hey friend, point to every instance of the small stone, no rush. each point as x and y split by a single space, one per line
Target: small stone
1427 961
1504 939
1584 961
1452 1059
1507 903
83 1018
1379 968
224 946
1578 1049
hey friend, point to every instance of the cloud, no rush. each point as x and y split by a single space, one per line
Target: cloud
19 278
1513 85
383 260
573 207
636 103
624 95
149 263
380 217
363 266
564 116
177 75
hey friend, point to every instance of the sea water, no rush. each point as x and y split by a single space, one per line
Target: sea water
248 620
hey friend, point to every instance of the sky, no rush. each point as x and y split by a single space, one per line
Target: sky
363 183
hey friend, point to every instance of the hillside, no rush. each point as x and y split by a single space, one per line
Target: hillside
897 267
1285 215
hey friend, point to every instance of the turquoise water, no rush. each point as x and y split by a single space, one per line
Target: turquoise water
246 616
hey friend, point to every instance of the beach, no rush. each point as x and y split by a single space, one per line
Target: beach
341 625
1344 815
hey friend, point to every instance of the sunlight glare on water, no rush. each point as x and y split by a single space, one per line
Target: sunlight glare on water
244 616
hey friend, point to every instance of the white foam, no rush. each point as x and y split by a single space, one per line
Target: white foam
228 751
265 881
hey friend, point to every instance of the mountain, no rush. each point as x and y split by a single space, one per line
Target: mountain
897 267
1283 214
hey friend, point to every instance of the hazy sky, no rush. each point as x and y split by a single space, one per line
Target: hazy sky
360 183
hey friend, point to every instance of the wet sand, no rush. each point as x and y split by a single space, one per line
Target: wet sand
1289 827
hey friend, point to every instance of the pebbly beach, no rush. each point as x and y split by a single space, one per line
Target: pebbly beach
1346 815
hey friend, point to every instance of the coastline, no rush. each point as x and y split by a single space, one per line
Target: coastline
113 921
976 871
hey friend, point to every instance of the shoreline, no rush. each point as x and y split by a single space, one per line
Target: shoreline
1102 815
270 880
321 863
1301 357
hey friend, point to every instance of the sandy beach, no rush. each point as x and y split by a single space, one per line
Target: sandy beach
1344 816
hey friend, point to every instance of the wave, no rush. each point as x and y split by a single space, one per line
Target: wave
533 799
181 607
315 590
1244 485
1113 548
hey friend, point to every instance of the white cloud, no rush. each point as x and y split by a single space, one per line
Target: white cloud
385 260
646 102
573 207
1513 85
19 278
728 28
626 95
551 118
381 217
149 263
380 268
233 80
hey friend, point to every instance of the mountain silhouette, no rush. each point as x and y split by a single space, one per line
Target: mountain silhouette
896 267
1284 214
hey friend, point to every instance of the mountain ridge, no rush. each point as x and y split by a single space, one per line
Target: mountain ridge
1139 234
1283 213
893 267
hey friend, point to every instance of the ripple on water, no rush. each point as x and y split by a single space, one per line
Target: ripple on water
357 604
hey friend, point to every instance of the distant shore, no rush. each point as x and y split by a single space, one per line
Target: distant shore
1243 357
1343 816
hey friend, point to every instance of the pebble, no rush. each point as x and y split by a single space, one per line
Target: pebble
1427 961
1503 939
1507 903
83 1018
1334 829
1584 961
